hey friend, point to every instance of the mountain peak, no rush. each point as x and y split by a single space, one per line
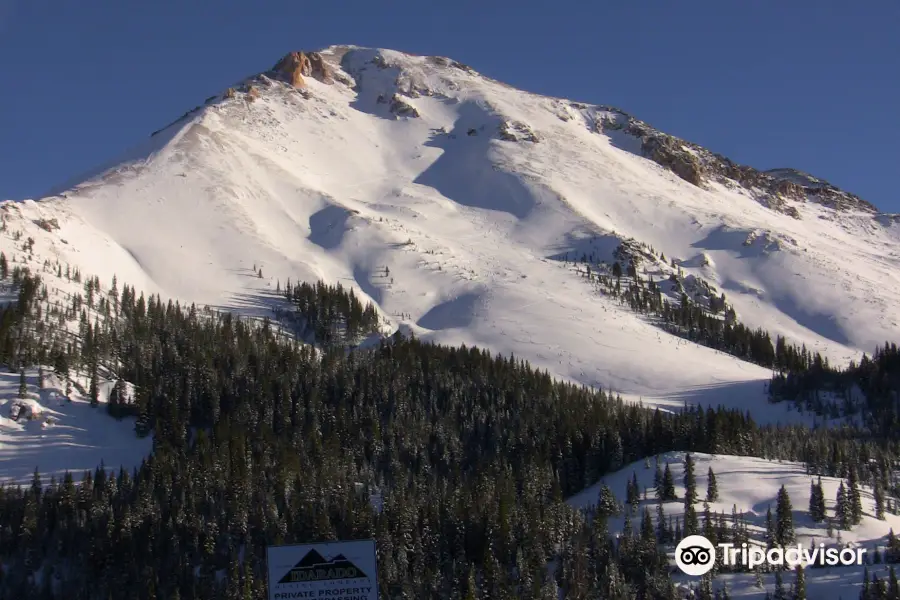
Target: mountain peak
294 66
437 192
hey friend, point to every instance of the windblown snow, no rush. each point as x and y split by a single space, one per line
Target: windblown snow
451 201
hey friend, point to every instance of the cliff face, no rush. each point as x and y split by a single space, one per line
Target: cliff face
698 165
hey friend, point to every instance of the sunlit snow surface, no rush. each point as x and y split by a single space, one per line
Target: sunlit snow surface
53 435
330 184
751 485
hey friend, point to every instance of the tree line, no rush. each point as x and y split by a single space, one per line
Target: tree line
261 440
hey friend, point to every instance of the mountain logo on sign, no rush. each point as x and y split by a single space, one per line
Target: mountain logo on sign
314 567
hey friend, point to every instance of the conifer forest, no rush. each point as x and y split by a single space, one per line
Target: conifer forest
456 461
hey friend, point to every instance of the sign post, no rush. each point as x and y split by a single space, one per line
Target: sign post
345 570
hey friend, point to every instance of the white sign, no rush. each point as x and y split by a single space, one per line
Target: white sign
327 571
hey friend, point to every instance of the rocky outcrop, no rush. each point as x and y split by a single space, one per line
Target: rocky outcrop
291 68
670 154
402 108
514 131
788 189
320 69
294 66
47 224
774 189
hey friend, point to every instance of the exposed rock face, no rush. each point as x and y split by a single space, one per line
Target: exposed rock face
320 69
295 65
668 153
291 67
514 131
697 165
47 224
401 108
788 189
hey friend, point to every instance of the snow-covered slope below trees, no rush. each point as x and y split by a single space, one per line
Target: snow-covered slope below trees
47 432
750 486
451 201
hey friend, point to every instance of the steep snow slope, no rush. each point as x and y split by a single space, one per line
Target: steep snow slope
449 200
751 485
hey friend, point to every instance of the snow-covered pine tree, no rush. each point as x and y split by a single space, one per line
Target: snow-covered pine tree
784 520
878 493
658 482
853 496
23 384
607 505
712 487
816 501
842 508
799 584
668 485
94 391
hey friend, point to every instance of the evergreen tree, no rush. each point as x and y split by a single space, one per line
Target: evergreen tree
94 389
663 534
799 583
691 522
636 490
842 512
690 480
607 505
712 488
784 520
632 492
142 426
854 499
116 404
816 501
668 485
658 482
878 493
23 384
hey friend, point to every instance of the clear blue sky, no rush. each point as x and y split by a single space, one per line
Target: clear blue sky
813 85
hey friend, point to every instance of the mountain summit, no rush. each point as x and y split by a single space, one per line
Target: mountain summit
471 212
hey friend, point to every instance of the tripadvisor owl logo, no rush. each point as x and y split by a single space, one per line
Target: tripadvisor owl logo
695 555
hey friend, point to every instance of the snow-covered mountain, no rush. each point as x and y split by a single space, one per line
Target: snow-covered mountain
453 202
